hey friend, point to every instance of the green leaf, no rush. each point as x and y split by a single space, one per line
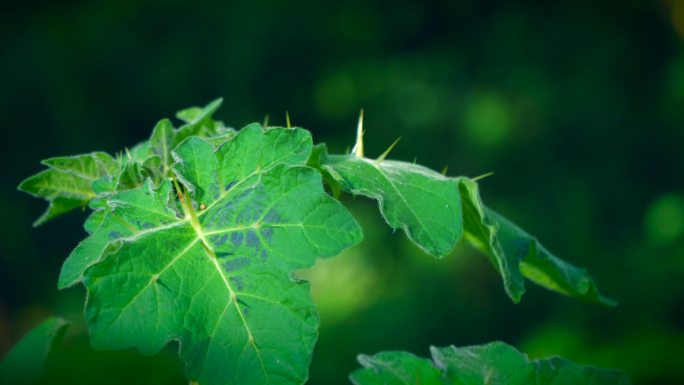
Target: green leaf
494 364
131 175
67 183
198 122
540 266
395 368
103 227
217 277
482 232
24 363
435 211
316 160
161 142
424 203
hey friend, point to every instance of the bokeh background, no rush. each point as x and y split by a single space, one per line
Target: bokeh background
577 106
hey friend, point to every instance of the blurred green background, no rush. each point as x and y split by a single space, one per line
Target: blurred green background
578 108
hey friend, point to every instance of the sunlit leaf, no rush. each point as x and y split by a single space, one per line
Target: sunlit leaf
67 182
435 211
217 275
424 203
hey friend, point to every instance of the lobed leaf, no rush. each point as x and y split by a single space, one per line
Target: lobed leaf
67 183
425 204
435 211
494 364
217 275
199 122
24 363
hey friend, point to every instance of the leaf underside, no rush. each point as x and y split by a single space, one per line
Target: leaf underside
495 363
436 211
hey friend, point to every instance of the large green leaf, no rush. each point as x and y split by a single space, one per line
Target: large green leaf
435 211
24 363
217 275
67 182
492 364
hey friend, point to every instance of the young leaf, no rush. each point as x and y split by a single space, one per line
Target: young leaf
435 211
161 142
218 277
24 363
67 183
494 364
198 123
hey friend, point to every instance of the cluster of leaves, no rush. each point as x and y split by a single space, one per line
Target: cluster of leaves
495 363
195 235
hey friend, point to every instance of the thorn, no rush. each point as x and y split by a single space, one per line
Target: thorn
287 119
445 169
357 150
415 160
265 123
389 149
483 176
128 154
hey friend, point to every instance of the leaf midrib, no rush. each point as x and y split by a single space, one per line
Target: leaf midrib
209 251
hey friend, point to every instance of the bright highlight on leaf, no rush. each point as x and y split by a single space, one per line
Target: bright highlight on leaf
425 204
67 183
493 364
219 280
196 232
435 211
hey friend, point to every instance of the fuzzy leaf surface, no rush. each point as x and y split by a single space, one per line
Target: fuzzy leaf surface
423 203
67 182
495 363
217 275
435 211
